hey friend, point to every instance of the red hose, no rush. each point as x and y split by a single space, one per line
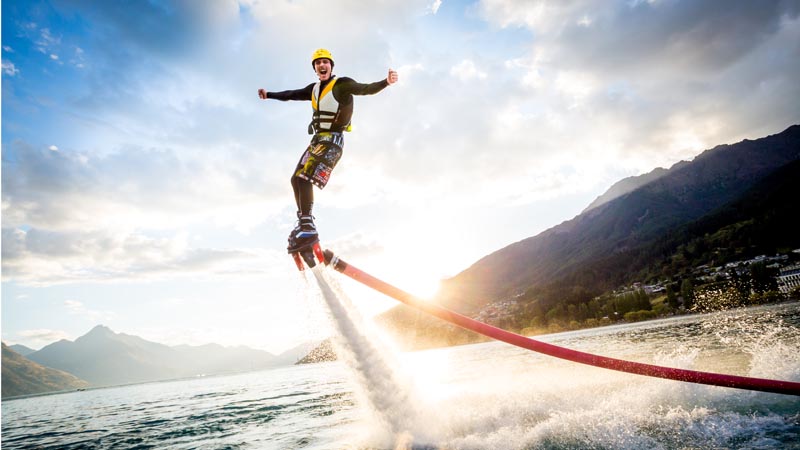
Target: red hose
691 376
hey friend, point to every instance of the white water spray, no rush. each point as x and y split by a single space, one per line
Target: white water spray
371 362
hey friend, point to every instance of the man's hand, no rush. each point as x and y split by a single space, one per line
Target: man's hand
262 94
392 78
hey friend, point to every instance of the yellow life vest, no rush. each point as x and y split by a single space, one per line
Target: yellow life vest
325 109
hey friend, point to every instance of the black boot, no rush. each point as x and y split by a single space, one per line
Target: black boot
304 233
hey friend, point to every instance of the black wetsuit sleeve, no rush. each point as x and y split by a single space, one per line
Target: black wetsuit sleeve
348 86
296 94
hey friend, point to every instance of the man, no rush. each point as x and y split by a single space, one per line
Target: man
332 104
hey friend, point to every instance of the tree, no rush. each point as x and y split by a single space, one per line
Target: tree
672 299
742 283
556 313
572 312
762 278
583 312
595 309
687 292
625 303
643 301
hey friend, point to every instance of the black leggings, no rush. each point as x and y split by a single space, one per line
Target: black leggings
303 195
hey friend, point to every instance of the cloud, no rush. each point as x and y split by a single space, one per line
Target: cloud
357 245
78 59
79 309
466 70
46 42
74 190
73 305
163 134
539 99
38 257
72 216
9 69
655 69
620 73
42 336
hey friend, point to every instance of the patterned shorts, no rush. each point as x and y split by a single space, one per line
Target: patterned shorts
320 158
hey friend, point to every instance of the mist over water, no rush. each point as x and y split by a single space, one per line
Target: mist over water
484 396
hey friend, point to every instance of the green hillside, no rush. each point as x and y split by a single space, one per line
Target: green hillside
24 377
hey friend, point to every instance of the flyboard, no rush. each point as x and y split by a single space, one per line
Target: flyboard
313 253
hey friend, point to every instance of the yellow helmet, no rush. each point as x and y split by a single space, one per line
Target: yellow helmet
319 54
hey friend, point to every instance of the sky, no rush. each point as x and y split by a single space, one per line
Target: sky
145 186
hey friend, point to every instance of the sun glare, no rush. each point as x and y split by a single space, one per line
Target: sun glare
424 287
415 276
412 265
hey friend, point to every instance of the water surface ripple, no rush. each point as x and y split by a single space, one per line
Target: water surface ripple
484 396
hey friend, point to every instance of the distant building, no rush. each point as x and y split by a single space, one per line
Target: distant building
789 278
654 289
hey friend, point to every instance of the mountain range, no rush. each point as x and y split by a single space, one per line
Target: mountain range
731 201
21 349
104 358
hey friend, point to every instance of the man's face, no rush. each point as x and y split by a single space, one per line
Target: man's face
323 68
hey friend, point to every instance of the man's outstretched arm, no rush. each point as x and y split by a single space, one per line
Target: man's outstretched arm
295 94
350 86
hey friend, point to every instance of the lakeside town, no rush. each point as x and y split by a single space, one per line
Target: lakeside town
758 280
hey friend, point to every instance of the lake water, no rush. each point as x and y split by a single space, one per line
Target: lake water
485 396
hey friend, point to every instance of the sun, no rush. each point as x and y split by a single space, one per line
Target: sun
423 286
412 269
408 273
